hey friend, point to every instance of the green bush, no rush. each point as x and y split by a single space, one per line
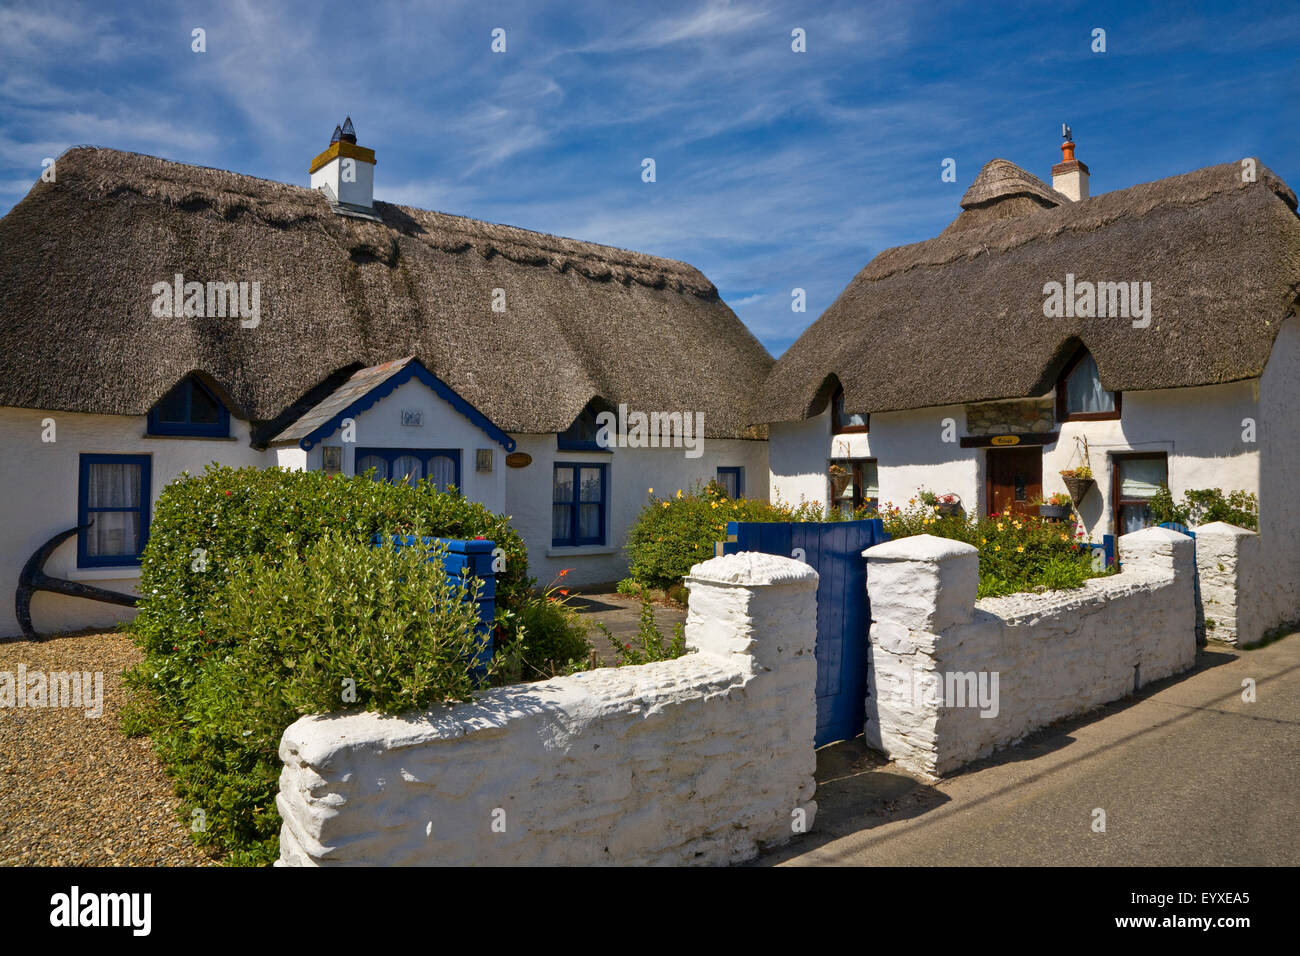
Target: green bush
208 528
1016 552
339 626
651 645
1203 505
673 534
551 637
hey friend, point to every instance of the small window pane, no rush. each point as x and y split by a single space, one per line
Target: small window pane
173 408
113 533
1084 393
375 462
591 484
442 471
407 469
729 480
870 480
589 521
1134 518
1141 477
561 522
563 487
114 486
203 410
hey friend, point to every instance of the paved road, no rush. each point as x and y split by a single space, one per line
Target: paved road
1187 772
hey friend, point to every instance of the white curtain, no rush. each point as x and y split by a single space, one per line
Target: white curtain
113 532
1141 477
375 462
1083 389
442 471
407 469
589 503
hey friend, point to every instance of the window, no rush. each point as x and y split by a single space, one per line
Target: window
1079 395
841 421
190 409
581 435
853 484
1134 480
732 481
113 499
440 465
578 505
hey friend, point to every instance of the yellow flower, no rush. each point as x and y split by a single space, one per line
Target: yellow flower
665 504
1018 525
679 492
650 491
715 504
997 547
984 540
1021 548
999 526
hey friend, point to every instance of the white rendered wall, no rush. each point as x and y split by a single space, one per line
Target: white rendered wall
699 760
1199 428
631 473
1054 655
358 193
40 484
442 426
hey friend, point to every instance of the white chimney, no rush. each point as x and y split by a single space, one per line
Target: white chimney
346 172
1069 176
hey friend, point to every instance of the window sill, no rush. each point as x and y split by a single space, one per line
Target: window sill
579 551
126 572
191 437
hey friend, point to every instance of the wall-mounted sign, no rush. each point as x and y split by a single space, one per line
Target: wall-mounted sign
1006 440
518 459
986 441
331 459
413 417
483 459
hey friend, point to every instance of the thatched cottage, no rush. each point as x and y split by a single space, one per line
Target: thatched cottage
1149 333
161 316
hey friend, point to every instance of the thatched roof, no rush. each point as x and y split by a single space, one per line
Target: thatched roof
79 256
959 318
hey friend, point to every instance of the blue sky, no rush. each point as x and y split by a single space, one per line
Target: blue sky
775 170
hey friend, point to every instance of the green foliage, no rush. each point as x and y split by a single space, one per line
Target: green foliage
265 529
339 626
628 586
673 534
1204 505
651 645
551 639
1016 553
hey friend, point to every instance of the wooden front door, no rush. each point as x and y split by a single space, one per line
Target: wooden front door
1015 478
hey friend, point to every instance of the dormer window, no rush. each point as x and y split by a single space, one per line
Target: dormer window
190 410
581 435
844 422
1079 395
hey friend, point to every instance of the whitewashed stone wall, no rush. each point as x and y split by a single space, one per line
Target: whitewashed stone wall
1229 572
1037 658
700 760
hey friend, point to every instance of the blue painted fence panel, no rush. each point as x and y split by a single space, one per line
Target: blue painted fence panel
464 557
834 550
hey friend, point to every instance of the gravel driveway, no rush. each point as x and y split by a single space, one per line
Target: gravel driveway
73 790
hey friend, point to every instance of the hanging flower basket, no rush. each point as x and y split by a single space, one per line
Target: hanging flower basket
1077 483
948 505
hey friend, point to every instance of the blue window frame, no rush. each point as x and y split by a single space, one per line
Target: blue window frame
578 504
581 435
113 498
733 481
190 409
440 465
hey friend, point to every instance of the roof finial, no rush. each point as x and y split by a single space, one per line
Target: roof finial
349 134
335 138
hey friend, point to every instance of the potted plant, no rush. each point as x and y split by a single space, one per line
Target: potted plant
1055 508
1077 482
948 505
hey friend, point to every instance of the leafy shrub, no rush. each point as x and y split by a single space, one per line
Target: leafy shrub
341 625
651 645
1203 505
551 636
1016 553
210 529
673 534
203 524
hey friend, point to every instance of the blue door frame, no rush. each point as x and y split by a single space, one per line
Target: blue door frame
834 550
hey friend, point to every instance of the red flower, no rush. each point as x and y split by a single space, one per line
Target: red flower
227 494
564 592
565 571
628 646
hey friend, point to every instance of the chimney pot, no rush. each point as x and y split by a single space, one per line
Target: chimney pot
1070 176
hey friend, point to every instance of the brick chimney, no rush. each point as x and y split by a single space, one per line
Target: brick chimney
346 172
1069 176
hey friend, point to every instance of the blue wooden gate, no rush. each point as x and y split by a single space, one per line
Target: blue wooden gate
834 549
